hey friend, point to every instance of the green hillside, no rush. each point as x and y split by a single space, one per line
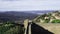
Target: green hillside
53 17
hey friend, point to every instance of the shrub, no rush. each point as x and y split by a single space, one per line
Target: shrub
56 21
47 20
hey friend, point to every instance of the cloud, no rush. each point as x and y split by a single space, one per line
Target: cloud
9 0
24 5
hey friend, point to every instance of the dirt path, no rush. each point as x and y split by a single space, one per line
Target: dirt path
55 28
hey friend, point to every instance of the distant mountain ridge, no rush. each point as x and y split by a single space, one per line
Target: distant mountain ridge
41 12
13 16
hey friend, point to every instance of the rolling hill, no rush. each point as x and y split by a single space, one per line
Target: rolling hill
52 17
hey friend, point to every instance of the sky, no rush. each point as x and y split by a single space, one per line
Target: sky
29 5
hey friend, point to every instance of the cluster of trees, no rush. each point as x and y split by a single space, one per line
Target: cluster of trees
42 17
9 28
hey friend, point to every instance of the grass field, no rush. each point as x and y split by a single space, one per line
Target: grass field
53 27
